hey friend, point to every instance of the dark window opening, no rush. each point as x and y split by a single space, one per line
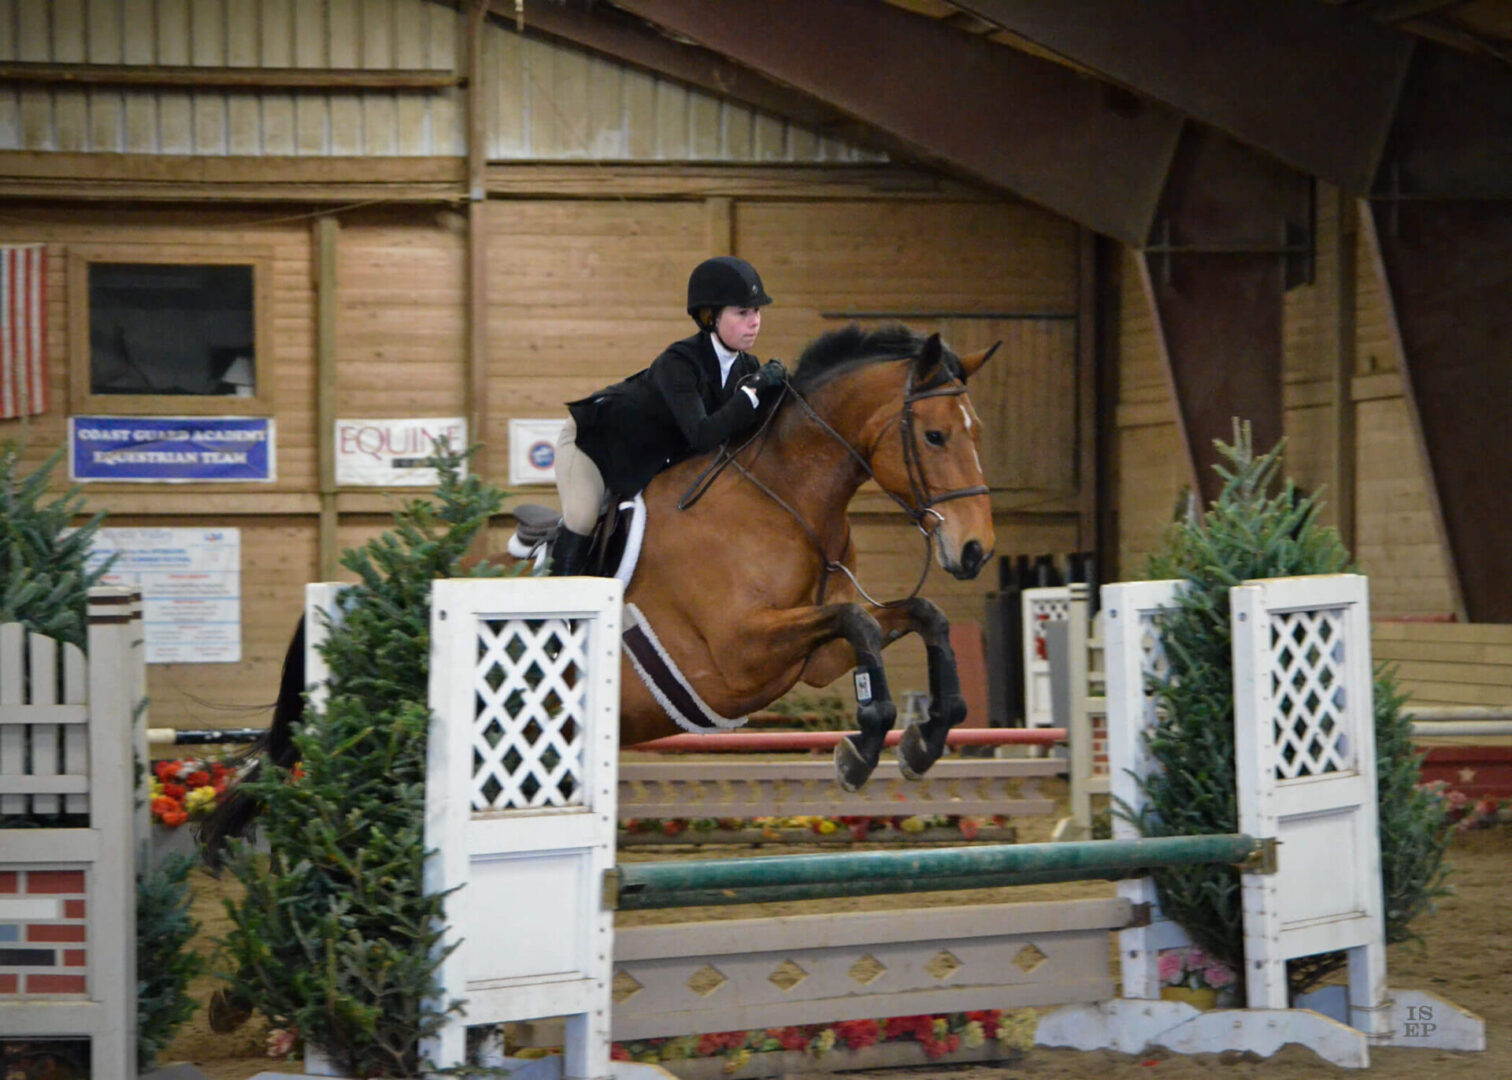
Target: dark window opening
160 328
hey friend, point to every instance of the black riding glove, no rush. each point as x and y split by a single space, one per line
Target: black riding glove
770 376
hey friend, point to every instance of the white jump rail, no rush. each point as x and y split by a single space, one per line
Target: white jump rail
749 789
68 730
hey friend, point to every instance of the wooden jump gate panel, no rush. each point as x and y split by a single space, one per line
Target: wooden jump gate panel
754 973
748 789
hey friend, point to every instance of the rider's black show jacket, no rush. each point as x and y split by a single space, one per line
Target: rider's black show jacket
671 410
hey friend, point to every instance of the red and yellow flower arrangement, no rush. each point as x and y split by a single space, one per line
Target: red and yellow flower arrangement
938 1035
185 789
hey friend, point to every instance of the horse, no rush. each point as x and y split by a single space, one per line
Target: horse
746 574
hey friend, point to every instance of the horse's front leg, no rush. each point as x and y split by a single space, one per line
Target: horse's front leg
817 644
857 755
922 744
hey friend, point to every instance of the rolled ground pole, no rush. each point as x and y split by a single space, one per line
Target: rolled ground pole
865 873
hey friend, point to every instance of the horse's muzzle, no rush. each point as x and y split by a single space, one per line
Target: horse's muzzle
972 559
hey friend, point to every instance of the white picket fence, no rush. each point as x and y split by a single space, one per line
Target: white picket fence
68 730
522 814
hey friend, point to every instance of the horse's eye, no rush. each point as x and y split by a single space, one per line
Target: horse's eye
935 438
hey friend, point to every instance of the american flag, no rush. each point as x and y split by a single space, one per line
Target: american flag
23 331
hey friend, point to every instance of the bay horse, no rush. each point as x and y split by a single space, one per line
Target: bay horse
747 570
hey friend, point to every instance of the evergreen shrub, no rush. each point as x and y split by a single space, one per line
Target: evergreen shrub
335 934
1261 528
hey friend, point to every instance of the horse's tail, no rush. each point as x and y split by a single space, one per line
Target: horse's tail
236 811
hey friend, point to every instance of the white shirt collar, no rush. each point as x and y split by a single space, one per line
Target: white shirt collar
726 358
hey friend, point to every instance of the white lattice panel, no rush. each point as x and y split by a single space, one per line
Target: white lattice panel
1307 669
520 803
1305 755
531 683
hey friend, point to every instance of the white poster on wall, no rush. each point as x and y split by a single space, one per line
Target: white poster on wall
190 580
390 453
532 451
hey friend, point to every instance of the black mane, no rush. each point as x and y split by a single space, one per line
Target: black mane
841 350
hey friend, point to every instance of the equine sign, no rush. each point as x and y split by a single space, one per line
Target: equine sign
171 449
392 453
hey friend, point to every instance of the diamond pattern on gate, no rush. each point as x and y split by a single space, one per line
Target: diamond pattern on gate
1307 693
529 686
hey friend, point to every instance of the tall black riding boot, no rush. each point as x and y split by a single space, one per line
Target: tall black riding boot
569 553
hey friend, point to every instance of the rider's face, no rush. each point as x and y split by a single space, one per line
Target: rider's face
737 327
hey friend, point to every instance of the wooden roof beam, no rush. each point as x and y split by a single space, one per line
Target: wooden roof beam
1233 232
1314 84
1095 154
1441 219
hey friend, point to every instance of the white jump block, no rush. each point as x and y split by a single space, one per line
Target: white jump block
1132 1026
1418 1019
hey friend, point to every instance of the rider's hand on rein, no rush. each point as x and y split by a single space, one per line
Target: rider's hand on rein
771 376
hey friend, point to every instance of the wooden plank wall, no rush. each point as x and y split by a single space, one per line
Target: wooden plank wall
581 292
1448 663
277 535
545 102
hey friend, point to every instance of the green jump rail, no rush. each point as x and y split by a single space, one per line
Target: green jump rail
640 886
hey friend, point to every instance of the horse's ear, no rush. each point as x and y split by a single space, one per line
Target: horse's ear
972 361
930 357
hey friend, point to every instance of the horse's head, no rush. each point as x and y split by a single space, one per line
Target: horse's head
926 455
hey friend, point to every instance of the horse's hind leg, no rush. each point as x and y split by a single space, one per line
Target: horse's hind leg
922 744
857 755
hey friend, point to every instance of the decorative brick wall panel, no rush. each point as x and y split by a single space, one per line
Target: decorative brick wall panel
40 912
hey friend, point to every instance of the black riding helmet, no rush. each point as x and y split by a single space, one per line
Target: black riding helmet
721 282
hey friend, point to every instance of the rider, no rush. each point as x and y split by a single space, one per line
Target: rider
699 393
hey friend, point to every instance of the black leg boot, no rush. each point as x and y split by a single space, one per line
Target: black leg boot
569 553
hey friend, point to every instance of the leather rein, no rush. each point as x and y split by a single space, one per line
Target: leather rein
924 499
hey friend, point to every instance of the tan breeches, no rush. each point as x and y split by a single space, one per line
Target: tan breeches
578 482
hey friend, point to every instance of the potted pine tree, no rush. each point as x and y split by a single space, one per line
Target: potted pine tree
1261 527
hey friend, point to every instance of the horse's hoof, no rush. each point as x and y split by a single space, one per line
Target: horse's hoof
914 758
852 770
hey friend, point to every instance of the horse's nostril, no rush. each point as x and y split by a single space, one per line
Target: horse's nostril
971 557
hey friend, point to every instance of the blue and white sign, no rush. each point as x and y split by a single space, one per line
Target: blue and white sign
170 449
532 451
